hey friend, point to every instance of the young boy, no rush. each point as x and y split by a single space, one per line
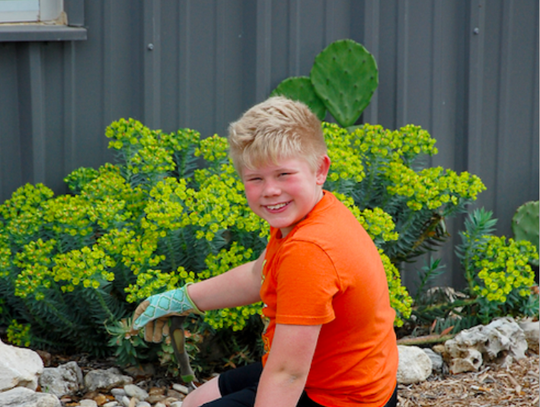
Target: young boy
329 339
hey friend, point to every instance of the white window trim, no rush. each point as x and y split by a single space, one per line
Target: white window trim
32 11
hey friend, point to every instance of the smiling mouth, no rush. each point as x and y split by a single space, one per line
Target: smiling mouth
277 206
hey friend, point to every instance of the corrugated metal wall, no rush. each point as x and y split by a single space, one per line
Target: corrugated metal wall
467 71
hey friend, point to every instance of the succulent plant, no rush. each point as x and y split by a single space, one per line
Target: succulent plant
343 79
345 76
301 89
525 224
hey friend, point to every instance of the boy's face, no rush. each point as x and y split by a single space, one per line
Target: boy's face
284 193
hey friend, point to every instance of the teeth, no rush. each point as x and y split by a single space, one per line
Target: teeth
274 207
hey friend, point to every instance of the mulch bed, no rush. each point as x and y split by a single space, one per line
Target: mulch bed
492 386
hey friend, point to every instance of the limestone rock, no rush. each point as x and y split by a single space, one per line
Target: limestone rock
414 365
63 380
531 329
105 379
19 367
135 391
24 397
501 338
436 360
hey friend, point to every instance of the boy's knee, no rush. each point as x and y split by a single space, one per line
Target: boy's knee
204 394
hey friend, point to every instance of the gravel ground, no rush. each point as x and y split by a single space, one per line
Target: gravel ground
492 386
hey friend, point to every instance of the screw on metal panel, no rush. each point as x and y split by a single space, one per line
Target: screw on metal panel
476 31
150 46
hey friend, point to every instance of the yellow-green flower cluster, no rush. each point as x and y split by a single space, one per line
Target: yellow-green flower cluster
152 281
5 256
89 267
346 163
234 318
182 140
431 188
110 184
140 252
19 334
142 148
502 268
219 204
152 158
109 212
377 223
114 242
405 143
213 148
78 178
25 199
400 300
125 134
165 209
34 261
23 213
68 214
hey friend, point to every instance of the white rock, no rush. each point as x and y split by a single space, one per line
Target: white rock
24 397
135 391
176 404
180 388
470 347
19 367
436 359
414 365
125 401
531 329
143 404
62 380
111 404
118 392
158 404
88 403
105 379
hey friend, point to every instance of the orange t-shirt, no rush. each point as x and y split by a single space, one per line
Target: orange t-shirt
328 271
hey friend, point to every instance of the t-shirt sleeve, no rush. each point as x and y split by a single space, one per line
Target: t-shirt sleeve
306 284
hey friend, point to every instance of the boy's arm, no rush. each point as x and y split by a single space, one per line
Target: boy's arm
286 370
238 286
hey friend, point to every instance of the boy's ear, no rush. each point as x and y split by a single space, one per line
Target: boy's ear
323 169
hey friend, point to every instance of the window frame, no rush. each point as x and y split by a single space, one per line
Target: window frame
69 27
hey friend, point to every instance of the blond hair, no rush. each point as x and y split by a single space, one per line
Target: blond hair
276 129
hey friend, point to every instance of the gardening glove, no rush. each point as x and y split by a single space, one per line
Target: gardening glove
154 312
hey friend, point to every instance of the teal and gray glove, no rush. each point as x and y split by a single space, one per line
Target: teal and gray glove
154 312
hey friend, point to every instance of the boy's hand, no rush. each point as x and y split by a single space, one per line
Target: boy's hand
155 311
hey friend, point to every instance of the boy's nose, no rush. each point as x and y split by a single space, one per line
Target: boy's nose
271 189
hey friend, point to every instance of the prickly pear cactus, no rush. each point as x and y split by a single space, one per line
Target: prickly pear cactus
345 76
300 88
525 224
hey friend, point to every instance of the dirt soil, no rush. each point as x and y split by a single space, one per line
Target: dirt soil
492 386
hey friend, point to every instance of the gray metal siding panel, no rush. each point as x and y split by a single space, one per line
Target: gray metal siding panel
10 147
210 60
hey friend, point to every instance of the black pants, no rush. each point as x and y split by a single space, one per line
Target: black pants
238 388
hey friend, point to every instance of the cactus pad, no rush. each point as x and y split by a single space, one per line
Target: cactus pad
300 88
525 224
345 76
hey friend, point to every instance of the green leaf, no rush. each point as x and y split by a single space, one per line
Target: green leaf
345 76
301 89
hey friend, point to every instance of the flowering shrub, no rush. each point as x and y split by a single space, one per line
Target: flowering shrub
497 270
73 267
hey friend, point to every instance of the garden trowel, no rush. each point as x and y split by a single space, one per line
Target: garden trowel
182 358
